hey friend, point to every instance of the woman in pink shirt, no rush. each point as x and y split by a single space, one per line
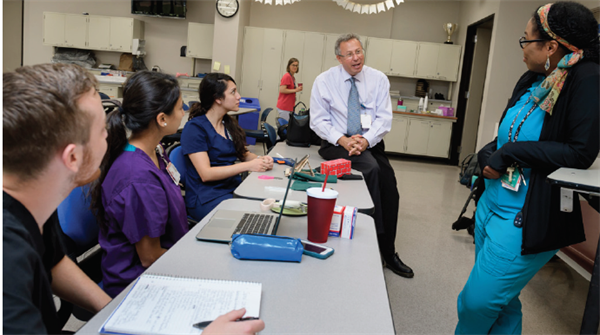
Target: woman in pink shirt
288 89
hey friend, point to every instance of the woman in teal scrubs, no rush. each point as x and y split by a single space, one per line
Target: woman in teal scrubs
552 121
212 142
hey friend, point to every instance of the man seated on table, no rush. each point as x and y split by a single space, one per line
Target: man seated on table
54 140
350 109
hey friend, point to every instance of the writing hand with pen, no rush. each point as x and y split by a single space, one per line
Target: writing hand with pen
229 324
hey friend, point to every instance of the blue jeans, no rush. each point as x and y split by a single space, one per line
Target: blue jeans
489 303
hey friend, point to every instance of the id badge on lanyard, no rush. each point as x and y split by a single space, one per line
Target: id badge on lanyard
514 175
171 169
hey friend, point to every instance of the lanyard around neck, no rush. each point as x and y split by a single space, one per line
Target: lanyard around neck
522 121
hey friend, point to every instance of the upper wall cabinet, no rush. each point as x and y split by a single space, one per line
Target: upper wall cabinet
392 57
438 61
413 59
200 40
98 39
91 31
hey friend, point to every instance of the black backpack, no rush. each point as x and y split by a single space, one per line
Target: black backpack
468 169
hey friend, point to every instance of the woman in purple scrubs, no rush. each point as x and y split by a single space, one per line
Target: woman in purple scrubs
212 141
140 208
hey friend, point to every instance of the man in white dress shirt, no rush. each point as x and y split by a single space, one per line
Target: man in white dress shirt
351 110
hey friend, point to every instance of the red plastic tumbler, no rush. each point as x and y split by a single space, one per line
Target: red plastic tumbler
320 211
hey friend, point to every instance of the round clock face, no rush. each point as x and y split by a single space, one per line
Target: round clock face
227 8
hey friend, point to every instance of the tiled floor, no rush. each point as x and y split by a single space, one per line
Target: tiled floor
430 200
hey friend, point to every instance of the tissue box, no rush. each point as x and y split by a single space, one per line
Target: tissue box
448 111
349 221
338 167
343 222
336 221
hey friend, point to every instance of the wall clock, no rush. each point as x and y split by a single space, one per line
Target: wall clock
228 8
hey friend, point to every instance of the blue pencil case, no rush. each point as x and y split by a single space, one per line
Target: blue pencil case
262 247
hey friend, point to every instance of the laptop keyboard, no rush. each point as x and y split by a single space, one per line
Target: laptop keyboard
254 224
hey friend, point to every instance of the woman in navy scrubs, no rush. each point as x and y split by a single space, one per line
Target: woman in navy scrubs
212 141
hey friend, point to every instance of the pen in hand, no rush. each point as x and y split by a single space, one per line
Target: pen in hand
204 324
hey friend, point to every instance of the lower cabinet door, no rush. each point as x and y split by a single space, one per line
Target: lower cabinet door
395 140
439 139
418 136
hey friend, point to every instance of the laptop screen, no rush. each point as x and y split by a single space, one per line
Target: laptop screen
287 189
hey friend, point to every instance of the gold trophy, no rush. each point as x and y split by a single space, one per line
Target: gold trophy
449 28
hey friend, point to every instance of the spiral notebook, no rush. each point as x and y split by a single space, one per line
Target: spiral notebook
162 304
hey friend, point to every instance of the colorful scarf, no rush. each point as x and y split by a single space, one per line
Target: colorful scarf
547 93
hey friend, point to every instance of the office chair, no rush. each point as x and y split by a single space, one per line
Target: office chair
282 128
267 134
80 235
178 159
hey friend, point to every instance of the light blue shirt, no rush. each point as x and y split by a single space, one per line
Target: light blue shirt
329 103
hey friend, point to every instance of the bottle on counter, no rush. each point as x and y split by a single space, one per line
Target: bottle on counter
426 104
400 103
420 108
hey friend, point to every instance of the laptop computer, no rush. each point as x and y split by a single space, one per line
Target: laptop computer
227 222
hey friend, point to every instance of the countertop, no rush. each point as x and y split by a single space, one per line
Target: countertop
427 115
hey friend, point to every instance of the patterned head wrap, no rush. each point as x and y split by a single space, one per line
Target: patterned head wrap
547 93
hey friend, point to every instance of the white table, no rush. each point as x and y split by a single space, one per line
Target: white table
345 293
583 181
351 192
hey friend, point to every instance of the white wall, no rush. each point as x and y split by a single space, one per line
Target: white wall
164 37
228 40
11 42
505 64
417 20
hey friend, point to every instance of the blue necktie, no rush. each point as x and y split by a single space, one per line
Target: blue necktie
354 126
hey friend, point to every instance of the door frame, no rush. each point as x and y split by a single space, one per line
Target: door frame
465 81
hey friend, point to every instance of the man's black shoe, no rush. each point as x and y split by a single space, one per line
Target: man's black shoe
399 268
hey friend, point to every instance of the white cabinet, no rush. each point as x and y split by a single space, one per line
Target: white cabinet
438 143
448 61
114 91
99 32
427 60
308 49
54 29
419 135
200 40
65 30
438 61
392 57
189 82
91 31
379 54
404 56
122 32
261 65
76 29
395 140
